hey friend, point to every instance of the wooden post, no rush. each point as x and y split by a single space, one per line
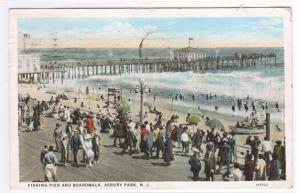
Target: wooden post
53 77
268 126
62 77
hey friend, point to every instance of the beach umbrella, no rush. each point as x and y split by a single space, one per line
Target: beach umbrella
194 119
215 123
124 106
90 97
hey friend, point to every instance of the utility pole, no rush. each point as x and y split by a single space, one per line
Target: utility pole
141 88
268 120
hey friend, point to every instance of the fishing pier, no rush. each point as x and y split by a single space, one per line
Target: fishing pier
59 70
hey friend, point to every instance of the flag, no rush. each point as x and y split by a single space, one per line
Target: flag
191 38
26 35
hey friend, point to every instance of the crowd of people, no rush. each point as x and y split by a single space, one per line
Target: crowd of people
155 140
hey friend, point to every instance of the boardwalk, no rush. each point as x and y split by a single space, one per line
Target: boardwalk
113 166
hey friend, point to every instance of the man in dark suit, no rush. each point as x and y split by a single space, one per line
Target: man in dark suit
75 144
42 155
225 153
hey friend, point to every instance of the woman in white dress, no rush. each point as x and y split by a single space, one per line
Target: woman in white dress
88 149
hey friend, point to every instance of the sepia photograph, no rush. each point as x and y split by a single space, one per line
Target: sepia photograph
151 95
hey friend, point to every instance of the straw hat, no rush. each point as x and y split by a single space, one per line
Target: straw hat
88 136
195 150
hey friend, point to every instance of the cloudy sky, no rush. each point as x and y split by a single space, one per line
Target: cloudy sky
167 32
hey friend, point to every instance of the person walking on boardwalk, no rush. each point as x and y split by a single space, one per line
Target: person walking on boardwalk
90 124
195 164
50 162
278 151
160 141
231 143
57 133
129 138
150 142
88 149
137 138
75 145
144 141
210 163
249 168
179 131
254 147
118 133
42 155
96 140
197 139
260 169
267 149
274 173
67 114
168 154
69 132
76 115
237 173
185 142
64 148
225 155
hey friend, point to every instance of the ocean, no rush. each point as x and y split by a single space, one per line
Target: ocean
258 84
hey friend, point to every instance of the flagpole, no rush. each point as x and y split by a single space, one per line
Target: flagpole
24 46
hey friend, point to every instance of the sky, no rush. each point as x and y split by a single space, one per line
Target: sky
166 32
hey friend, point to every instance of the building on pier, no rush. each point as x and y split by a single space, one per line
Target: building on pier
28 62
188 54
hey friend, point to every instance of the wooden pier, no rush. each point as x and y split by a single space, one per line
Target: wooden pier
81 69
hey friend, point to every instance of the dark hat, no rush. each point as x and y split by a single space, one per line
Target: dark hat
58 124
51 148
278 142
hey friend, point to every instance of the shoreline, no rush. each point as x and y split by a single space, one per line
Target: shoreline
161 105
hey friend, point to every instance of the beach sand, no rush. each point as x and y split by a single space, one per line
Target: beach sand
161 104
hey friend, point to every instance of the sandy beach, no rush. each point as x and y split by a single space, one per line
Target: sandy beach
161 104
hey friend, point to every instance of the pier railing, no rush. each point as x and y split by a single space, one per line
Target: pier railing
81 69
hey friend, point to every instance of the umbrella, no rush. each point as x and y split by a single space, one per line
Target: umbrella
193 119
124 106
215 123
90 97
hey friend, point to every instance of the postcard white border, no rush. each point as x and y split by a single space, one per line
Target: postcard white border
220 12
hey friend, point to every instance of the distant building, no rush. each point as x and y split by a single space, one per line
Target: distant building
28 62
188 53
